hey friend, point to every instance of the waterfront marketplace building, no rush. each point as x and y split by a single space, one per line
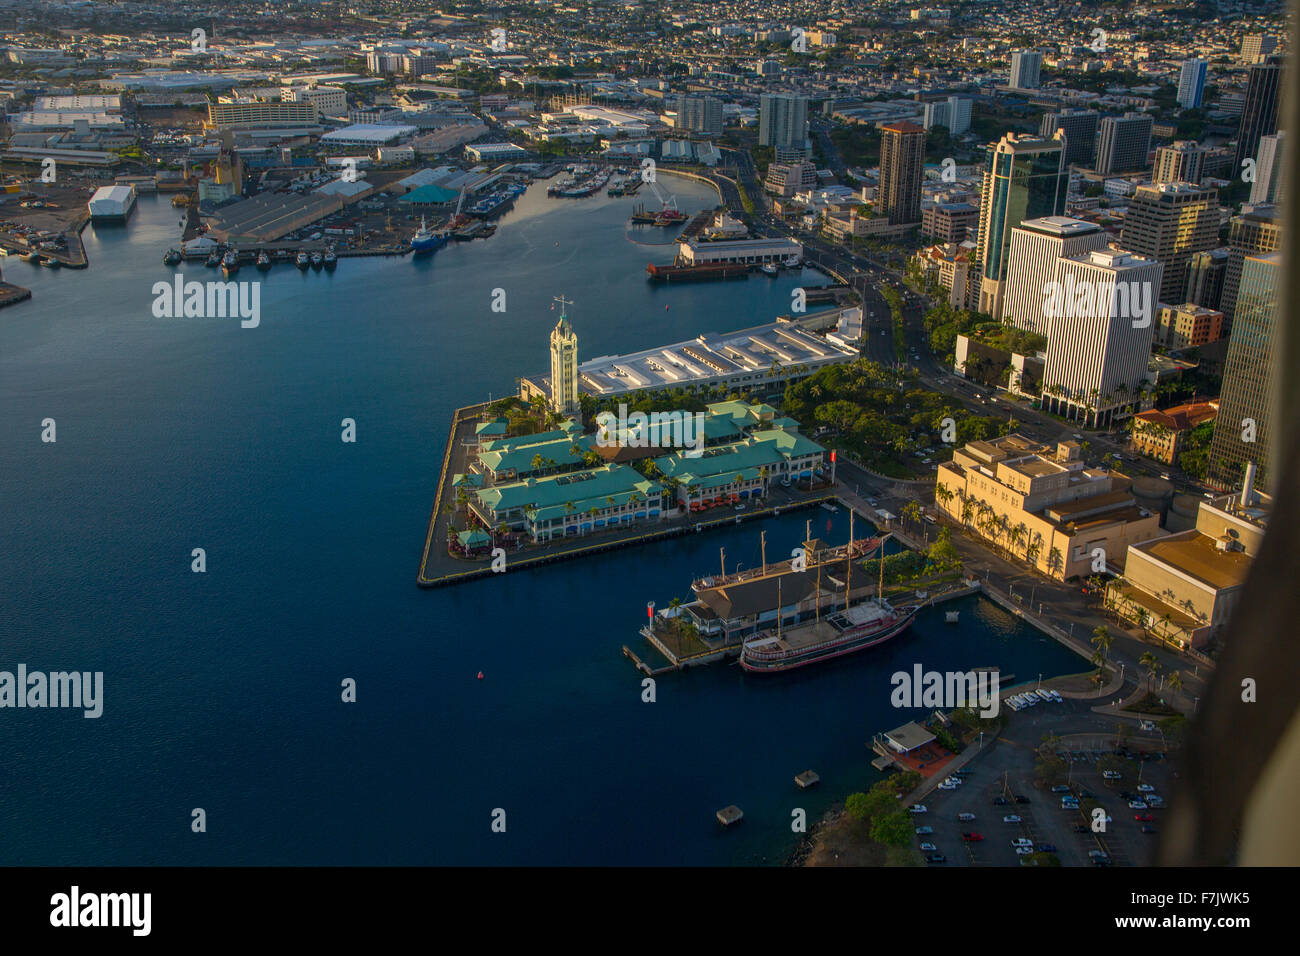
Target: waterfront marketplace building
544 485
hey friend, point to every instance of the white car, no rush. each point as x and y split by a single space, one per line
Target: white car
1056 698
1045 695
929 847
1024 850
965 817
947 786
1022 841
1146 788
918 808
1110 775
1012 818
1137 805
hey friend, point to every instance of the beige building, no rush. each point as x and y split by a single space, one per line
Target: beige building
1045 506
1187 325
1183 587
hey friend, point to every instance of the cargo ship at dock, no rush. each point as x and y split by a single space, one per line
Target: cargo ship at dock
681 273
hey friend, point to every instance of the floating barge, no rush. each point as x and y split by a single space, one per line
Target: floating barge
729 815
676 273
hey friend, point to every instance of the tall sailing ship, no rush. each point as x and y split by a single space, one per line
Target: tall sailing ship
847 631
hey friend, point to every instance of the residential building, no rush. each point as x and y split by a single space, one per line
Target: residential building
700 114
902 170
1256 48
1191 83
1026 65
1187 326
1183 162
953 113
786 179
783 119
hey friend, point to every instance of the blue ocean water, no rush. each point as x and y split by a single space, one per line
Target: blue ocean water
222 689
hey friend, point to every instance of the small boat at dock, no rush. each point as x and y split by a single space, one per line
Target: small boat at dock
263 261
330 259
303 261
213 260
769 269
172 257
317 260
230 263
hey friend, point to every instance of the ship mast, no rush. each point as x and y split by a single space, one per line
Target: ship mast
880 588
848 578
763 538
778 609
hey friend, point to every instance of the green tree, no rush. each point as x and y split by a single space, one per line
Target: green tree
893 829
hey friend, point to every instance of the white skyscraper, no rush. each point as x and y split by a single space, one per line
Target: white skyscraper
1267 187
1191 84
782 119
1025 68
1099 345
1036 245
954 113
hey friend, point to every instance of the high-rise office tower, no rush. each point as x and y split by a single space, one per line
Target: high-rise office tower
1255 231
700 114
1169 223
1259 111
1256 48
1267 187
1205 275
1123 143
1183 162
1098 349
782 119
1244 403
1026 65
1191 84
1080 128
1036 245
902 169
1026 178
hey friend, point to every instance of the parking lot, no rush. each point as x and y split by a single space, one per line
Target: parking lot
1001 784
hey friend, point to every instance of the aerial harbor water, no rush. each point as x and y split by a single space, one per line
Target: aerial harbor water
222 689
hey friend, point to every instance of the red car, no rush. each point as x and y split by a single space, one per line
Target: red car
972 837
1143 817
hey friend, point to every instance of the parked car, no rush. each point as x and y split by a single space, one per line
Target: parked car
999 801
1137 805
924 831
1146 788
1011 818
1024 850
1143 817
1022 841
1047 848
1111 775
1020 798
929 846
918 808
1060 788
936 858
965 817
973 837
1148 828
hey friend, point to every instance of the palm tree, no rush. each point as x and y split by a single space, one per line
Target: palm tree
1176 681
1101 640
1032 552
1148 661
944 494
537 462
1054 559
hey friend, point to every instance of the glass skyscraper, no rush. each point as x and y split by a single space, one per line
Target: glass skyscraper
1026 178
